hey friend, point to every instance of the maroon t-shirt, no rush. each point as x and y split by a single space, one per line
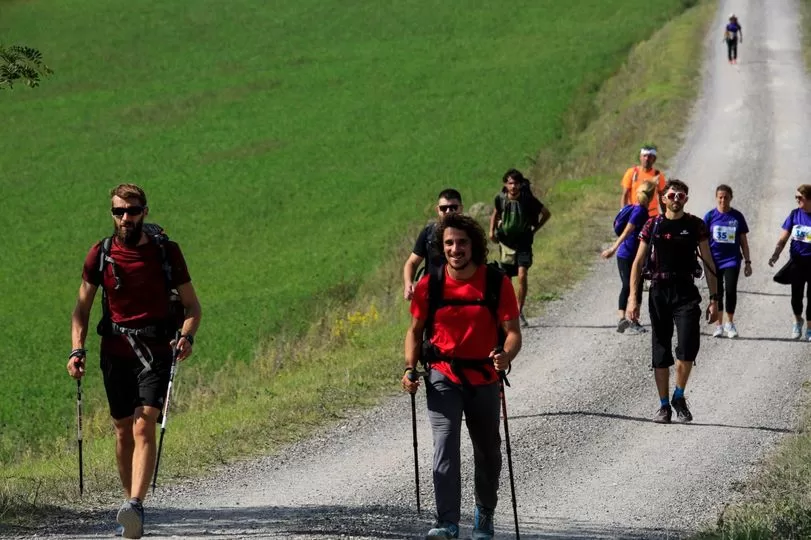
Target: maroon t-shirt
142 299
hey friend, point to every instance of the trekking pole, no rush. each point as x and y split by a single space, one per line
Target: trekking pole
165 413
413 376
79 434
502 376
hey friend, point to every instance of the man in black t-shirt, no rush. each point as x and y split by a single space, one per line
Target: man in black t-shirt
449 202
667 256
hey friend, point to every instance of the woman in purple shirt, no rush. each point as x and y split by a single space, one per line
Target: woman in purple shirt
729 246
625 247
797 227
732 31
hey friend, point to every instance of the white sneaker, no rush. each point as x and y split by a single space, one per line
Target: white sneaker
796 330
719 331
730 329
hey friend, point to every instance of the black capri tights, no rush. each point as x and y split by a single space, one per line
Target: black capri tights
728 289
624 266
732 49
798 287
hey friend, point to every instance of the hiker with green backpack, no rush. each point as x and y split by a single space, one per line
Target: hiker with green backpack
147 300
517 216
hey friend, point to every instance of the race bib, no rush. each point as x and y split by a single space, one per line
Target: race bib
724 235
801 233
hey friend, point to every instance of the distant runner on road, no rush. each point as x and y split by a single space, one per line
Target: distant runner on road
667 256
449 202
797 227
644 172
729 246
138 277
733 32
466 310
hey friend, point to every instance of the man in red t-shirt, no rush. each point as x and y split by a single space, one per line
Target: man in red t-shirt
137 339
463 367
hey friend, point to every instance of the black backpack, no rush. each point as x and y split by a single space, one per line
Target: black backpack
157 235
492 297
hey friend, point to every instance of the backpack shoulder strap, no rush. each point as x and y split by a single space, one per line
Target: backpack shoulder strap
635 176
157 235
492 289
436 286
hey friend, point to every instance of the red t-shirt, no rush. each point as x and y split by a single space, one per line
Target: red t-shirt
465 331
141 300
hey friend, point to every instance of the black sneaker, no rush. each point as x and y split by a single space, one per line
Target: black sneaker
623 325
682 412
663 415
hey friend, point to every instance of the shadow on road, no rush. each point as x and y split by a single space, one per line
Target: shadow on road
645 420
327 521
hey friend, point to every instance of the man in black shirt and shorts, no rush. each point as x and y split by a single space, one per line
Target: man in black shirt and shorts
667 256
449 202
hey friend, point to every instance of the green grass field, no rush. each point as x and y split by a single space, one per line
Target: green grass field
288 147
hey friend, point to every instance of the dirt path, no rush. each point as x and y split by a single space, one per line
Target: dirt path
589 463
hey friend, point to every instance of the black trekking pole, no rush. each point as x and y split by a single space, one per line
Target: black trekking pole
79 434
502 376
413 376
165 413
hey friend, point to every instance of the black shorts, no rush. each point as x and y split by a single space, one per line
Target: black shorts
674 304
128 388
522 257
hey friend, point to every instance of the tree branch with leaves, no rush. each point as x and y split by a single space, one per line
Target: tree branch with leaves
21 64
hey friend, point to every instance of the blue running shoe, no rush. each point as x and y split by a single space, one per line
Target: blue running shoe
483 524
796 330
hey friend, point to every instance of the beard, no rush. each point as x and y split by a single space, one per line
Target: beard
674 206
130 235
456 265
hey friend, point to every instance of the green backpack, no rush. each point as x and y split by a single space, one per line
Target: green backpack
516 218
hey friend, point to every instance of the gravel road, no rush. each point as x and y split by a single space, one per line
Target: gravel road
588 461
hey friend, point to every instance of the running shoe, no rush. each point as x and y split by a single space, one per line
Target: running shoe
623 325
483 524
131 517
719 331
683 414
796 330
808 335
730 330
443 531
663 415
636 328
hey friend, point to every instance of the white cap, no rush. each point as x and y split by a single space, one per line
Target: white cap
732 16
648 152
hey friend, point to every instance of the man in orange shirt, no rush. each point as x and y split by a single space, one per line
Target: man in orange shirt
644 172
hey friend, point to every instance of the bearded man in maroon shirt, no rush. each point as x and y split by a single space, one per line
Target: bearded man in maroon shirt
138 276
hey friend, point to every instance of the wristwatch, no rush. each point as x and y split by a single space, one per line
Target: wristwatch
189 338
715 297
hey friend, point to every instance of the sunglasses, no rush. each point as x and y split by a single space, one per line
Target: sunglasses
119 211
799 198
676 196
448 208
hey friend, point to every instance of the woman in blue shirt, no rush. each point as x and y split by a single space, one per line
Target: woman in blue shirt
797 227
732 32
625 248
729 246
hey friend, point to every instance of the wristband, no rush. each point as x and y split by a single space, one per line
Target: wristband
189 338
77 353
748 262
406 370
715 297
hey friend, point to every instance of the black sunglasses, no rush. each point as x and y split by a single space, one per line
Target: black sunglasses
119 211
799 198
448 208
